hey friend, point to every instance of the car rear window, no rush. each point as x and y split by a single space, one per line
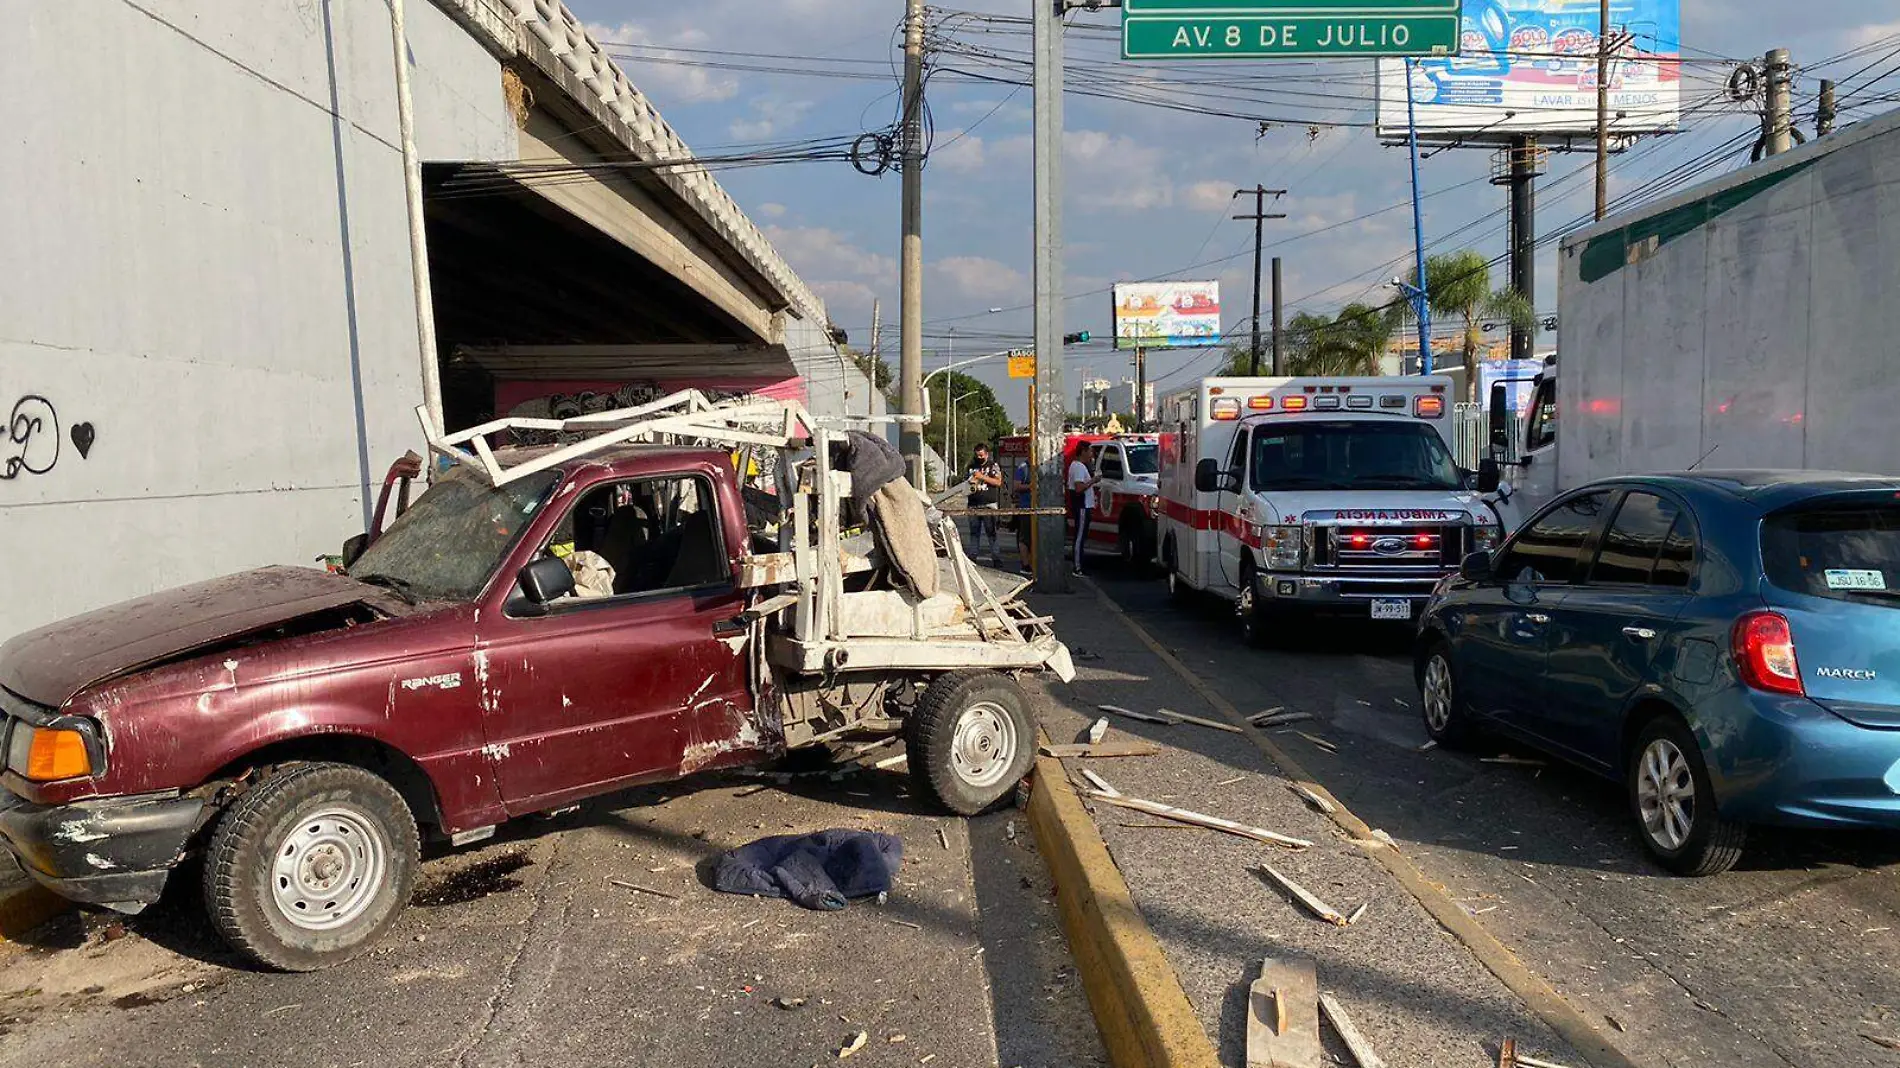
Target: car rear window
1843 552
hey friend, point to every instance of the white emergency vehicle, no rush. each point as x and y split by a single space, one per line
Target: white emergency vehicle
1126 498
1315 494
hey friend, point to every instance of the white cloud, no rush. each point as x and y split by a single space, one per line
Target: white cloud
961 155
1209 196
979 278
1107 171
772 211
817 253
678 84
770 115
1871 33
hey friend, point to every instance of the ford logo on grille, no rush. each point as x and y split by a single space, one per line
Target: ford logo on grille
1390 546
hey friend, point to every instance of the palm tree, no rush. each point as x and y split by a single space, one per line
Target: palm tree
1458 285
1348 344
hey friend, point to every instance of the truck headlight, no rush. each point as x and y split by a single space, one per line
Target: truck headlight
48 754
1282 546
1485 539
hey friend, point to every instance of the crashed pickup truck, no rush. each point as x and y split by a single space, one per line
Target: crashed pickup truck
542 625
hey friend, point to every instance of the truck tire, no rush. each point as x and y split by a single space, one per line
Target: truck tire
1179 591
1673 802
970 740
311 866
1136 543
1256 621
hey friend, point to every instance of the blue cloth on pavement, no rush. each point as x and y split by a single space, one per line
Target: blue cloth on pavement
818 871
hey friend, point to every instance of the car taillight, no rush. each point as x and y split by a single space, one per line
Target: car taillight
1764 653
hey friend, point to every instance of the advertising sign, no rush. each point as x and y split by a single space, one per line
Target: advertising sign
1262 29
1167 315
1530 67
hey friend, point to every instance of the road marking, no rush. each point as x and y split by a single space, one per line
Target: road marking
1538 996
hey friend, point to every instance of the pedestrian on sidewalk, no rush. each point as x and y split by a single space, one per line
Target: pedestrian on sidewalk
986 492
1081 502
1025 524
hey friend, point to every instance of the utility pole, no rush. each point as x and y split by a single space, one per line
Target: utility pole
418 238
1603 110
1279 326
1052 553
1259 193
1417 294
1141 389
1522 176
877 351
911 314
1827 112
1777 119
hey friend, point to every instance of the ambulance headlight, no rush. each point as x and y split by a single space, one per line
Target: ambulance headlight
1282 546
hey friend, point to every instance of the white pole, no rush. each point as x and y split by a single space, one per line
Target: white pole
418 239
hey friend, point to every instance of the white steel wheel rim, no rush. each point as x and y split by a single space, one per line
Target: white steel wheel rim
1437 694
1665 794
984 744
328 868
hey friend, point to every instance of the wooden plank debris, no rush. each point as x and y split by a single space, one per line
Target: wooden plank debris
1358 912
1317 740
1512 761
1098 731
944 837
623 884
1212 724
1117 710
891 762
1312 798
1307 899
1525 1061
1283 1016
1342 1026
1199 819
1507 1053
1105 750
1279 719
1100 783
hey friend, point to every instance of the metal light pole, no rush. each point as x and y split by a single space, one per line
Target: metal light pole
418 237
951 429
1052 566
1421 299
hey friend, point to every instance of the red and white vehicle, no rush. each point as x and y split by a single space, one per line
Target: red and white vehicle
1128 497
1315 494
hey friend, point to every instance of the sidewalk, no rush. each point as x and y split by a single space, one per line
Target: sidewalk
1417 994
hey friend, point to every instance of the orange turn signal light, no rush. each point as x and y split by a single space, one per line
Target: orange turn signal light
57 754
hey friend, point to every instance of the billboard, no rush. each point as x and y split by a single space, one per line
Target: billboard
1167 315
1530 67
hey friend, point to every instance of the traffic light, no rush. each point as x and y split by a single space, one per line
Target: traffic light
1081 338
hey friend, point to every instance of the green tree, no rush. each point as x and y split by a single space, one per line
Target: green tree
980 418
1458 285
873 367
1347 344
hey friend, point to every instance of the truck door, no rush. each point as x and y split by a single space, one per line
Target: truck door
1227 517
641 677
1109 467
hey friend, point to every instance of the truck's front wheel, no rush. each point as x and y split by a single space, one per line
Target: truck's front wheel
310 866
970 739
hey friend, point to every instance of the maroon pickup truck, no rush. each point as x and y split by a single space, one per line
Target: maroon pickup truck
301 731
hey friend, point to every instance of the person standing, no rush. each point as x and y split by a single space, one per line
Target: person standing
1081 485
986 490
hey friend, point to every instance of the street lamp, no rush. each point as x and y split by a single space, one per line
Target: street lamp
1422 310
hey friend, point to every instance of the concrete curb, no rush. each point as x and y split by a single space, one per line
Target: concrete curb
1540 997
26 907
1143 1015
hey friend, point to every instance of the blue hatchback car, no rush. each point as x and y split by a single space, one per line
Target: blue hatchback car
1725 643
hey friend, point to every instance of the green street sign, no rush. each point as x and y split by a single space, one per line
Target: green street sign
1274 29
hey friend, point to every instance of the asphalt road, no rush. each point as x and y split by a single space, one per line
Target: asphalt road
525 952
1788 960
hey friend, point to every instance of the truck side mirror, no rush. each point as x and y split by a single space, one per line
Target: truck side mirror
1490 475
1207 475
1476 567
1500 417
545 580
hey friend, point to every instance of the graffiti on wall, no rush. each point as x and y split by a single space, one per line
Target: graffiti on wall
31 442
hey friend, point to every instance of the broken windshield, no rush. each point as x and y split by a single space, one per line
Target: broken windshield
450 541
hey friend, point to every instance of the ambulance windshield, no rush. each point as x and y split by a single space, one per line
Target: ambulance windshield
1356 455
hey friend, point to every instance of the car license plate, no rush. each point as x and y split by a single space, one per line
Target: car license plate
1392 610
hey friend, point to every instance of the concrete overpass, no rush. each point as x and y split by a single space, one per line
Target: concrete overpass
207 349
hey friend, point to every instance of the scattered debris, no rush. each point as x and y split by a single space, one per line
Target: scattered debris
1383 838
1212 724
1009 829
624 885
857 751
1142 716
1512 761
891 762
1428 746
895 1039
944 837
1278 718
1616 1023
1342 1025
1317 740
1881 1040
1232 781
1100 783
788 1004
1356 913
1305 897
1154 808
1482 911
1283 1015
854 1044
1312 798
928 1057
906 923
1098 731
1526 1061
1507 1053
1102 750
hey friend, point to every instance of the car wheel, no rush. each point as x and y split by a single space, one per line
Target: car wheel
970 739
311 866
1128 545
1447 718
1674 803
1255 624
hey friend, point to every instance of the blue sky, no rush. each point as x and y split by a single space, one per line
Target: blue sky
1148 190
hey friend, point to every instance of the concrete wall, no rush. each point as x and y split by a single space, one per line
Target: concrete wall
203 235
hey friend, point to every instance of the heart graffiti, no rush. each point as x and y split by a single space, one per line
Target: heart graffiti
83 437
30 438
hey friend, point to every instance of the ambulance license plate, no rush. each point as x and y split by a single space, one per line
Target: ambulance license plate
1401 610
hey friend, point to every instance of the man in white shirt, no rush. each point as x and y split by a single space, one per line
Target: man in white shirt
1081 485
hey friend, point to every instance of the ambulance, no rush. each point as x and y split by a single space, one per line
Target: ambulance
1297 496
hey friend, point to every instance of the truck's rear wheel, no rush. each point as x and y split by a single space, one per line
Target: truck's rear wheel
970 739
311 866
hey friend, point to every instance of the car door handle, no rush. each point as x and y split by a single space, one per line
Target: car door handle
1641 634
728 627
1538 618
